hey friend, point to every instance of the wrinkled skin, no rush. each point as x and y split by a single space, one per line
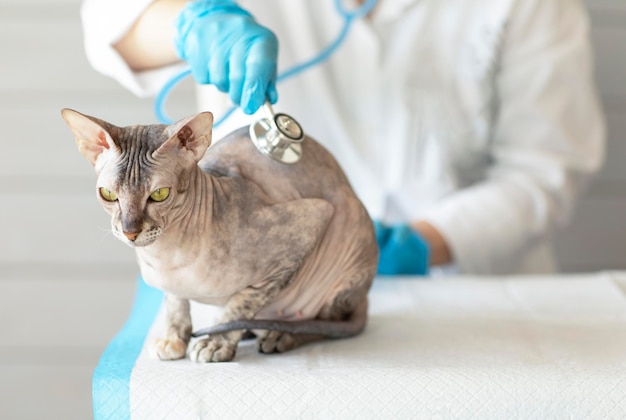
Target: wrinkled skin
263 239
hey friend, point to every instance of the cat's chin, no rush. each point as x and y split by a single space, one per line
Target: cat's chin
142 241
140 244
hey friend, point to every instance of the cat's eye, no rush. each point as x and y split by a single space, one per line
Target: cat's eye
107 195
160 195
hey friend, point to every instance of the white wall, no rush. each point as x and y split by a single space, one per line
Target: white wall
596 238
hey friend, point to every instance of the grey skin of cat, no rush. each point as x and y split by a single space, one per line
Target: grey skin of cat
288 245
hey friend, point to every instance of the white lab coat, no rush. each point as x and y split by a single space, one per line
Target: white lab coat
479 116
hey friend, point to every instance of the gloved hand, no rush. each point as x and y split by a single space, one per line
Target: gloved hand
227 48
402 250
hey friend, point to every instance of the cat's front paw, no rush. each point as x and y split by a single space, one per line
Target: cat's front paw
213 349
168 349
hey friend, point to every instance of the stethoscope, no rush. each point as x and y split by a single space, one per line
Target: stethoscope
278 136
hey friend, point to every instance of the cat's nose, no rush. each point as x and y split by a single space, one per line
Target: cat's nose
131 235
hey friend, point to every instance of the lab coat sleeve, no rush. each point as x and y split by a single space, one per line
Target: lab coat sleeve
548 139
106 22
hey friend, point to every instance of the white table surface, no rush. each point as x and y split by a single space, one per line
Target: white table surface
464 347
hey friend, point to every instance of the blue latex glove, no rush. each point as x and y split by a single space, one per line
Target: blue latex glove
402 250
227 48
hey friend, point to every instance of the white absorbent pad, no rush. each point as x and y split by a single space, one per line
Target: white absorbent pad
460 348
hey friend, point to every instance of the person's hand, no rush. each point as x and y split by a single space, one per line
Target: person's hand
227 48
402 250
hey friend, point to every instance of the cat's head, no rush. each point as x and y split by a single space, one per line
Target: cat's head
143 171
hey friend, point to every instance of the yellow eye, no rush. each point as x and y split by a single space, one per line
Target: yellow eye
107 195
160 195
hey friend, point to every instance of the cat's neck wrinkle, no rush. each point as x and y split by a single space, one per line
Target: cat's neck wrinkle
196 216
218 191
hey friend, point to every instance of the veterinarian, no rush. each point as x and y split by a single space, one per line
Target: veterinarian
467 127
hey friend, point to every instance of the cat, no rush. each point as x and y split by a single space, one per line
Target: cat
288 244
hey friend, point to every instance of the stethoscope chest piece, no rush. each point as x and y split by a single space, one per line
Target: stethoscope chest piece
279 137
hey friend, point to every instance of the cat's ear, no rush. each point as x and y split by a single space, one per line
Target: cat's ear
92 134
192 134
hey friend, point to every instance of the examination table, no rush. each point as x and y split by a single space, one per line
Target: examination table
530 347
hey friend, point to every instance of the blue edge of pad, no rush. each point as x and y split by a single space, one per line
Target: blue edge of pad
111 378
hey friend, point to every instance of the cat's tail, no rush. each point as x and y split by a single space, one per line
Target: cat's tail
329 329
